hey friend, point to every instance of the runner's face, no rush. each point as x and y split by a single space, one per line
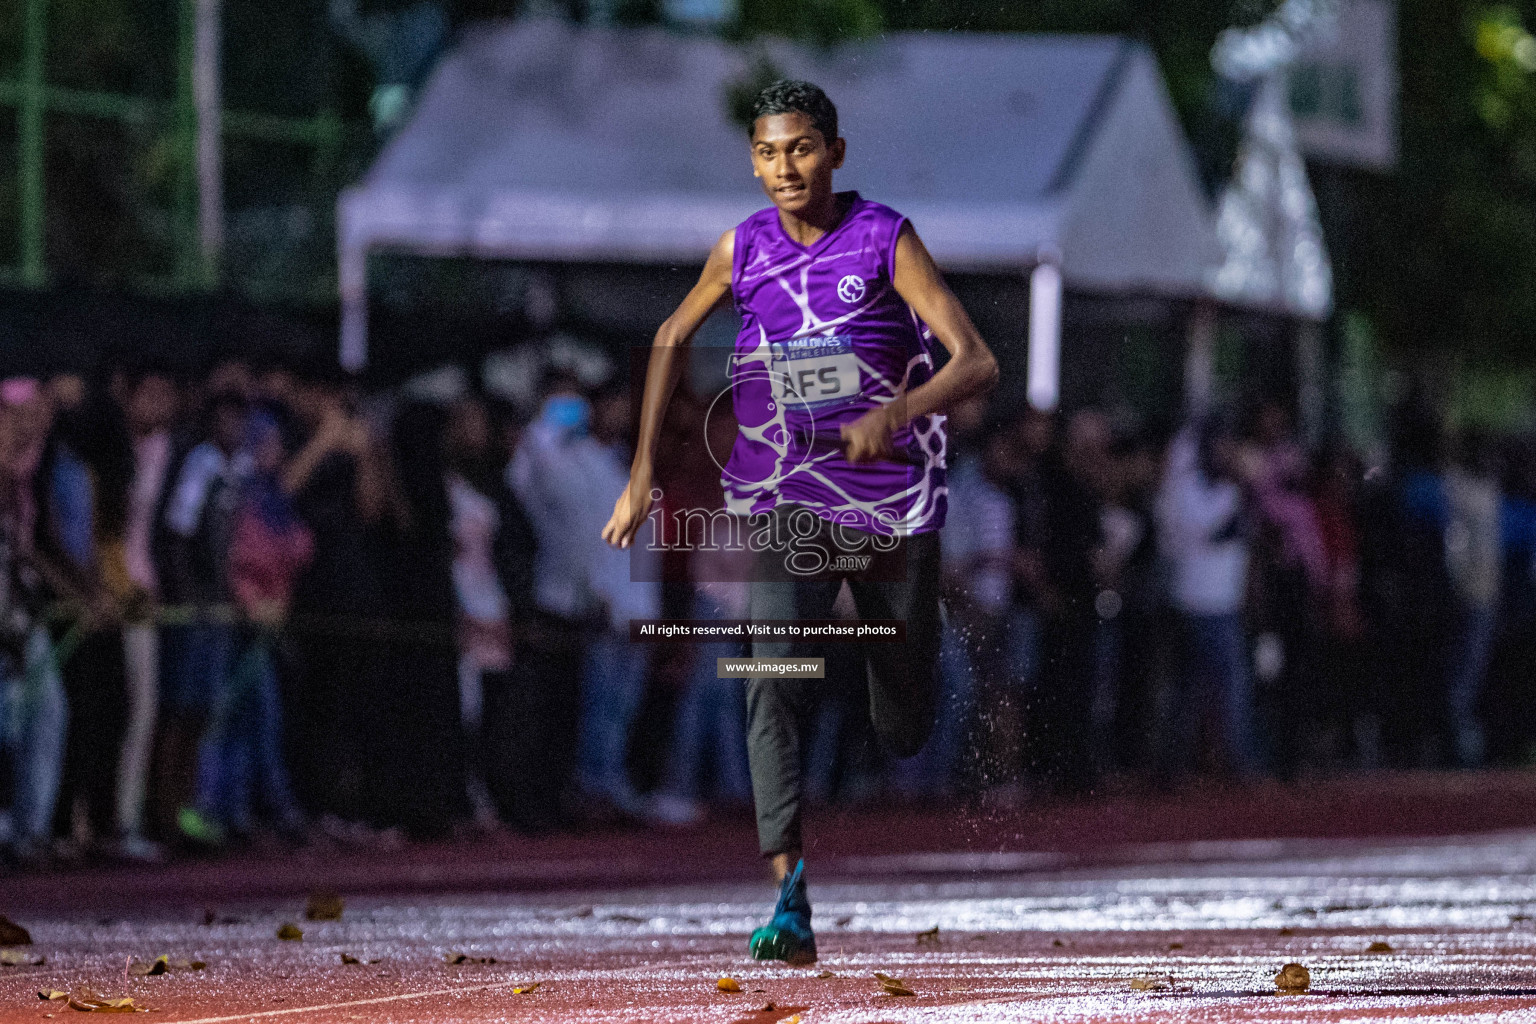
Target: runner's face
793 161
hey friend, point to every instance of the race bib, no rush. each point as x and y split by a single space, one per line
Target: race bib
815 371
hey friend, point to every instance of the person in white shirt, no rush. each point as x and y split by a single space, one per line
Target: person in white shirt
710 721
485 625
550 474
1203 532
616 671
1474 554
150 407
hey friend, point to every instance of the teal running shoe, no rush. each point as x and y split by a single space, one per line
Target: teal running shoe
788 935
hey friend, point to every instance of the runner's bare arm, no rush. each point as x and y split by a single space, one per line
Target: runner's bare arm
712 291
971 370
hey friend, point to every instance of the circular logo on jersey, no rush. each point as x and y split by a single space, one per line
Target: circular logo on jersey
850 288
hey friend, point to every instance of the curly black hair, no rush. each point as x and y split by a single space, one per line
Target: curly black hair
789 96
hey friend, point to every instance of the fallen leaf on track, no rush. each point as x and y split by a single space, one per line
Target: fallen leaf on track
20 958
1151 984
931 936
844 922
290 933
728 985
1380 947
1293 978
893 986
523 990
183 964
52 995
827 974
150 969
454 959
88 1001
13 934
324 906
349 960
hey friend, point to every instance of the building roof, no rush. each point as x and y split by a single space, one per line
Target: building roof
540 139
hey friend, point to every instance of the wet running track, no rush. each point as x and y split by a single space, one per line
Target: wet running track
1174 930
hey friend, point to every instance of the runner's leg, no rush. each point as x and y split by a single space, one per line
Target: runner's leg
904 678
777 710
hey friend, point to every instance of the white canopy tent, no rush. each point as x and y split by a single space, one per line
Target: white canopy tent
1058 156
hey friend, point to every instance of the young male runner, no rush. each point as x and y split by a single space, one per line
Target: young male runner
841 438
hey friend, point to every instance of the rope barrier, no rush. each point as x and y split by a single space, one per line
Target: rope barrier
83 621
231 614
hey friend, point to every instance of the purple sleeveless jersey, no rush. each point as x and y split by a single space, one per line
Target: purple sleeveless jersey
825 338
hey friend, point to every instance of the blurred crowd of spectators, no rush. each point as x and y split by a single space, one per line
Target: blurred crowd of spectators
259 606
1134 607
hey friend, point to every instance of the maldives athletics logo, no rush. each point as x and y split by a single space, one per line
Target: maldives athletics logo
850 289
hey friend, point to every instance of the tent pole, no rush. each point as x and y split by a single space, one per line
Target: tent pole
352 282
1044 384
1200 360
354 334
1311 399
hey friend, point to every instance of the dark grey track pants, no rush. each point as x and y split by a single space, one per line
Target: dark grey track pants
903 677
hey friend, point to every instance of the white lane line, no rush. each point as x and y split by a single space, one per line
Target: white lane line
354 1002
1510 851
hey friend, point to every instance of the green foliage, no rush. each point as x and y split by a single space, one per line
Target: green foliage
1506 100
116 45
823 22
1491 398
637 12
1441 254
112 185
1180 33
740 93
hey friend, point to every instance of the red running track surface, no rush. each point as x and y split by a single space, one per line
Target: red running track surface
1173 909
